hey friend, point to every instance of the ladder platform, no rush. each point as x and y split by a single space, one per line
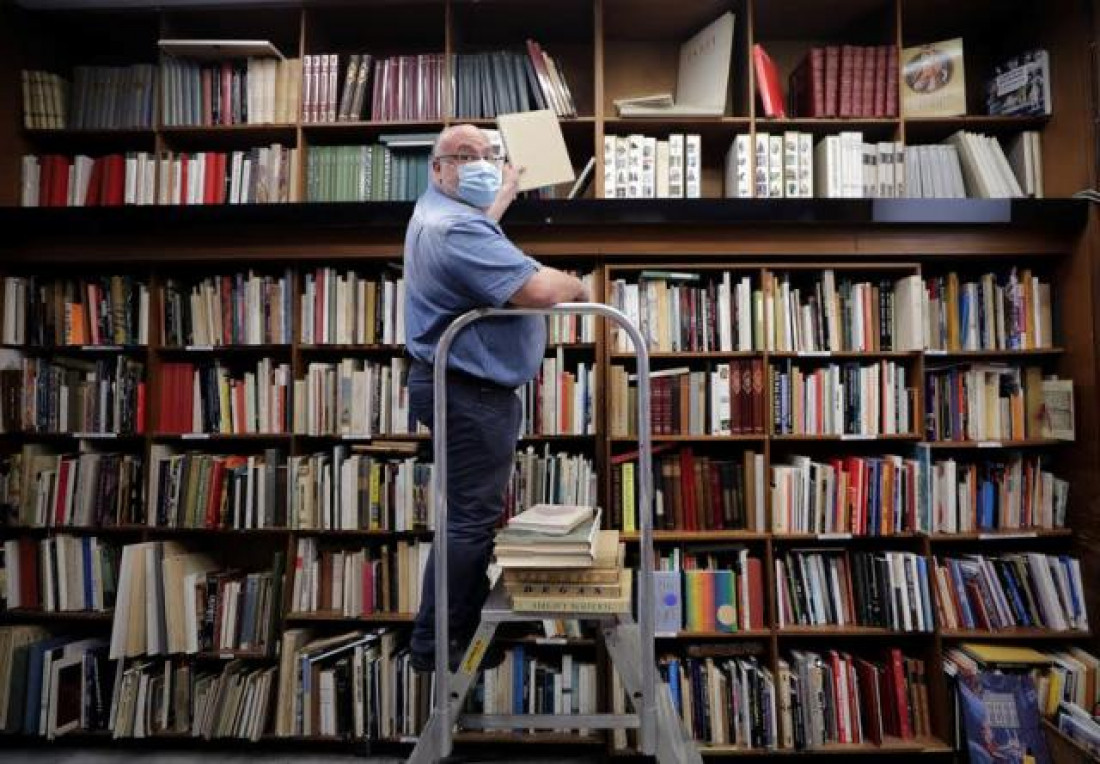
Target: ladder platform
549 721
498 609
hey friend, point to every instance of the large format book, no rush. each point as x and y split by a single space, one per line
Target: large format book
1020 85
534 142
607 561
932 80
529 549
702 79
571 603
551 519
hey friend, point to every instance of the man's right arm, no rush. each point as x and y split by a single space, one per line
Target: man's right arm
549 286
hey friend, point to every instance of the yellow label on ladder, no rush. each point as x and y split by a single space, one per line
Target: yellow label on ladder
474 653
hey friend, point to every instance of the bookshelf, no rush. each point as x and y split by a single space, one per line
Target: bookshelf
598 43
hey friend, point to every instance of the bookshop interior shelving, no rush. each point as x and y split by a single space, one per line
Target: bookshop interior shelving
607 49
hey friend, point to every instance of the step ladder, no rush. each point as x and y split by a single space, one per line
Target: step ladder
630 646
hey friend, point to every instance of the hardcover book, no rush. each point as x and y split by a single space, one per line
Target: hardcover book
933 82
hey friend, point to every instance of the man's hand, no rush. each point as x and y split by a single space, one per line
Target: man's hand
509 187
583 293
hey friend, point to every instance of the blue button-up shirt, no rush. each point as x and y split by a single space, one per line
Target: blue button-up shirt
457 259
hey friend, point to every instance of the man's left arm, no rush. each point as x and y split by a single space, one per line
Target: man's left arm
509 188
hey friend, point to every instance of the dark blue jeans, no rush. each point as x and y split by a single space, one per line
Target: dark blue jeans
482 428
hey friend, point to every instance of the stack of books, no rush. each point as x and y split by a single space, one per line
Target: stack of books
555 558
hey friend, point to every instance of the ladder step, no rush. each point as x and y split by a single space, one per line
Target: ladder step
548 721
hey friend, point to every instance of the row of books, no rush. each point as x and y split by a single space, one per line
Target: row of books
93 489
409 88
819 314
174 601
324 99
505 81
351 308
213 398
59 574
354 583
1028 590
250 91
339 490
547 478
865 496
352 398
71 395
978 402
105 310
53 685
948 171
353 684
256 176
560 402
53 180
692 491
265 174
99 98
863 400
843 81
887 590
1010 311
1010 494
835 697
529 683
197 490
684 311
771 166
727 400
708 592
641 167
242 309
394 170
175 696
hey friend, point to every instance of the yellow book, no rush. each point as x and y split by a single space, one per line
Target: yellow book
1005 654
226 418
953 312
628 497
576 604
372 298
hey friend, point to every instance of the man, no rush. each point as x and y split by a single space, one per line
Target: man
456 259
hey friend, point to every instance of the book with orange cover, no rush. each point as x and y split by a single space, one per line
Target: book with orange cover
767 83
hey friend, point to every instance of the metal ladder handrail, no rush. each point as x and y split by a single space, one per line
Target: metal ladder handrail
647 708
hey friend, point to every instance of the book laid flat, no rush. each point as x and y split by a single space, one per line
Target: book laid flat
551 519
534 141
606 564
571 603
530 549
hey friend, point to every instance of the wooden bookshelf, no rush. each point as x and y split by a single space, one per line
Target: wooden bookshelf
599 43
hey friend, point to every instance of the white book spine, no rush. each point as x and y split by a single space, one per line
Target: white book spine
775 166
805 165
790 164
676 165
760 168
693 166
609 158
634 184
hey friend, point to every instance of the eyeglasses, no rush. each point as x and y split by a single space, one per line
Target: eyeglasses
464 158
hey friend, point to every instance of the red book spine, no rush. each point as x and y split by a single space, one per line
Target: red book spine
717 516
184 167
767 82
844 107
28 574
868 106
62 488
817 83
843 733
892 81
756 593
757 396
855 75
905 729
687 489
213 499
832 81
139 413
880 81
59 196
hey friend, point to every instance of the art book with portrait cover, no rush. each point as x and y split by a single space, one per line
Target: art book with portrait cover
1001 718
933 82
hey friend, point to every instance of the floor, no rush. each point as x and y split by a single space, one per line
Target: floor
60 755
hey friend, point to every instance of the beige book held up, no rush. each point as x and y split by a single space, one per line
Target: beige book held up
533 141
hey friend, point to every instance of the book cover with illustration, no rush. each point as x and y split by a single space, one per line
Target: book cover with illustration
1001 719
933 83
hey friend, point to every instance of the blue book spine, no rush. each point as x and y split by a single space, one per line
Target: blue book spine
926 595
674 685
519 672
86 558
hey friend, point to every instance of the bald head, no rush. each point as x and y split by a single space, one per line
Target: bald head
457 139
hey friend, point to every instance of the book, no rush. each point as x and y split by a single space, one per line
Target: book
933 80
530 549
1057 409
1020 85
767 83
551 519
544 603
534 141
1001 716
607 561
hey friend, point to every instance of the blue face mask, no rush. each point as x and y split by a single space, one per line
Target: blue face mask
478 183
